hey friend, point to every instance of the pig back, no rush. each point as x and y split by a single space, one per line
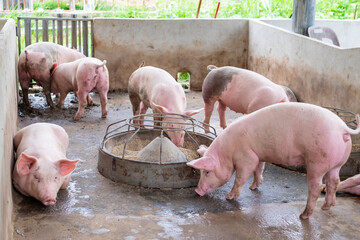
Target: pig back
155 84
286 132
241 90
42 139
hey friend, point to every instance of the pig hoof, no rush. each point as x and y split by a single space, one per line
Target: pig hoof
302 216
327 206
76 118
230 196
223 126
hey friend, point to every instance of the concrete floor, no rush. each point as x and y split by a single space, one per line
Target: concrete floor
93 207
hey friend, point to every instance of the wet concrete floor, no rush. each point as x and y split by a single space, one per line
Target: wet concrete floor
93 207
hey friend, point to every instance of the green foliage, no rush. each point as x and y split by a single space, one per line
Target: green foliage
325 9
336 9
184 79
53 4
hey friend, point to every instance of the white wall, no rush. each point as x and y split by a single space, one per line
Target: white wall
8 121
181 45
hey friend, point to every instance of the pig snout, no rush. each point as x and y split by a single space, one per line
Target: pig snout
200 191
49 201
179 142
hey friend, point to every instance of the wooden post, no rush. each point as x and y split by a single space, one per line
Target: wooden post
27 26
303 15
59 29
198 10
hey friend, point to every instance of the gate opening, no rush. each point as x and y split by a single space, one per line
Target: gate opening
184 80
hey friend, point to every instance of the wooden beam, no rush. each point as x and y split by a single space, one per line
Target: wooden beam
303 15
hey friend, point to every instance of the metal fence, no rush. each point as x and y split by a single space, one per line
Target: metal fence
71 32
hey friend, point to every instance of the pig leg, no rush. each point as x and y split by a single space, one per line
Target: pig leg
82 103
332 180
349 183
89 100
62 99
143 109
353 190
258 178
243 173
47 90
221 110
135 102
24 79
314 189
208 111
103 102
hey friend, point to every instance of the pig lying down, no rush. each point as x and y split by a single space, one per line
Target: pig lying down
155 88
36 62
41 168
350 185
289 134
82 76
241 90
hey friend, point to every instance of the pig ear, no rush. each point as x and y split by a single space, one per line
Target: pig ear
202 149
66 166
159 107
192 112
204 163
25 164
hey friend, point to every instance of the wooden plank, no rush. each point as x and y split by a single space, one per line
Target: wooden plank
53 32
45 29
79 36
92 39
85 39
67 33
27 26
60 31
19 34
37 30
73 34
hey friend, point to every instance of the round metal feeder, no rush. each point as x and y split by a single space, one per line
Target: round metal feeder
352 166
127 133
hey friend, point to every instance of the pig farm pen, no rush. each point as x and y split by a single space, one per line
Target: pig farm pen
96 207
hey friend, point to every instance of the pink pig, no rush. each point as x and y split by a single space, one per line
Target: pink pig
82 76
42 168
156 88
350 185
241 90
288 134
36 62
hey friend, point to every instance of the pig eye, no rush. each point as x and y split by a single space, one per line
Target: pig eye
37 178
207 172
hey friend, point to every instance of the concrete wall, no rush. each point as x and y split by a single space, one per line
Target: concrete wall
347 31
8 121
182 45
318 73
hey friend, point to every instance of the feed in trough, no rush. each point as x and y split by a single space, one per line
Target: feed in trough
134 147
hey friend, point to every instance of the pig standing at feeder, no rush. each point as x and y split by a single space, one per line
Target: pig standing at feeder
155 88
290 134
241 90
36 62
41 168
82 76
